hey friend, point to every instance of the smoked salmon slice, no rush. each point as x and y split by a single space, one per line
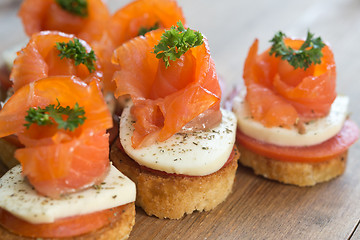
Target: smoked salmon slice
268 107
300 94
58 161
165 99
127 23
40 59
40 15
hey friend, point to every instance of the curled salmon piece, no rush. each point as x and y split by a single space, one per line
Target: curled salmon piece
40 59
269 107
165 99
128 22
294 94
58 161
40 15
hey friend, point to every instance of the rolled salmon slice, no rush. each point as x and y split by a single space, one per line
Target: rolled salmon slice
310 92
127 23
165 99
40 15
58 161
40 59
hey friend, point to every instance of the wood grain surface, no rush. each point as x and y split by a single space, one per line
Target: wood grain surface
356 233
259 208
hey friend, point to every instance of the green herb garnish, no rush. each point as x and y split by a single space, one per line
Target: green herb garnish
76 51
144 30
55 114
175 42
77 7
309 52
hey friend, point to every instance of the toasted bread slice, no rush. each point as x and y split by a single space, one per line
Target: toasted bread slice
172 196
296 173
119 230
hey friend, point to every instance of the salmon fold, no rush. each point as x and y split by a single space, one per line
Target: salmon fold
280 96
58 161
165 99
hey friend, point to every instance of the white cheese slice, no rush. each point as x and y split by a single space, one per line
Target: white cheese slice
10 54
195 154
20 199
316 131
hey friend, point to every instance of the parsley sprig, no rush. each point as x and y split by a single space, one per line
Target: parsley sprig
77 7
55 114
309 52
76 51
144 30
175 42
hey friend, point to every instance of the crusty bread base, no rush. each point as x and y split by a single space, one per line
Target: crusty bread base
172 196
296 173
118 231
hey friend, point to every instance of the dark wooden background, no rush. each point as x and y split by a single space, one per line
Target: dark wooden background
259 208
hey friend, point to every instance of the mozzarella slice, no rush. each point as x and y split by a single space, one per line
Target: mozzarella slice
316 131
195 154
20 199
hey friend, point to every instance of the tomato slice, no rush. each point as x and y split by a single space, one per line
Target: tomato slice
65 227
316 153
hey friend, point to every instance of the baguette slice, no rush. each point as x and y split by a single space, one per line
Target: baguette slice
296 173
170 195
117 231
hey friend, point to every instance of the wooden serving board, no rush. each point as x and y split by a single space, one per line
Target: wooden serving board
259 208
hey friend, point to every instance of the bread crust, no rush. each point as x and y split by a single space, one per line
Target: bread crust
296 173
116 231
172 196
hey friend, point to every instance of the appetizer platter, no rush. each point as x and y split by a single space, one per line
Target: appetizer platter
164 105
